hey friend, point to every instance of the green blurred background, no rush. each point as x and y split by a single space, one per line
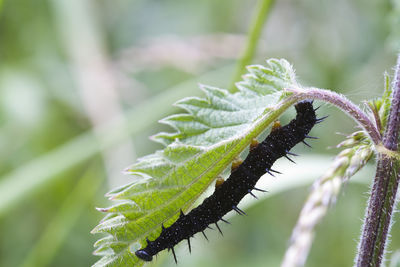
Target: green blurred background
84 82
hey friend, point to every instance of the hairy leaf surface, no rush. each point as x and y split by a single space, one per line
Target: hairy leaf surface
214 131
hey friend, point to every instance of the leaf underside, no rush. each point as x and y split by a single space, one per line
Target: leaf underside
213 132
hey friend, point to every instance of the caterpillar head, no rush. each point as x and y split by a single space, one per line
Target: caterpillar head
143 255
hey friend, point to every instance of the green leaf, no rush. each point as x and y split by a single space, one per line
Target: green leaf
380 107
213 132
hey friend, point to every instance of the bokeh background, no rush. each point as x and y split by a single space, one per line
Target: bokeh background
84 82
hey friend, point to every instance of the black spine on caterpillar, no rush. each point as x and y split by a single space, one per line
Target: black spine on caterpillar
242 181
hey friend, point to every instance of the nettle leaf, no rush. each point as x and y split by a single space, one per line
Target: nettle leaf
213 132
380 107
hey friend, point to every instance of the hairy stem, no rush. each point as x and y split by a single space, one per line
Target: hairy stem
342 102
262 10
391 135
383 194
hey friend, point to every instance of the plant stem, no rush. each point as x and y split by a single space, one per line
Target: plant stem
323 196
383 194
342 102
262 10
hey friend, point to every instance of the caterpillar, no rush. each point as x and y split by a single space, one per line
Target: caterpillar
241 182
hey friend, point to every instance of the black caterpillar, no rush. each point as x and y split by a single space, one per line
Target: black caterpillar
242 180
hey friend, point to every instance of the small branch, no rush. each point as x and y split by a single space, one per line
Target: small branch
383 194
342 102
262 10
